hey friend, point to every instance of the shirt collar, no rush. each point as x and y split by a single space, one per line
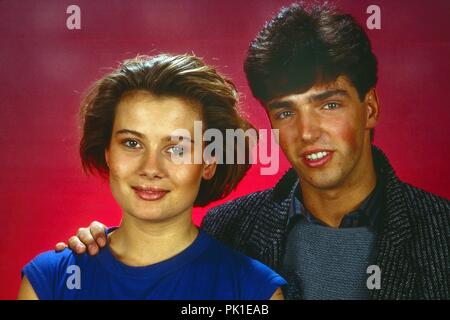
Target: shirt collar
366 215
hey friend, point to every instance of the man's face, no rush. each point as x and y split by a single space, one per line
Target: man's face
325 133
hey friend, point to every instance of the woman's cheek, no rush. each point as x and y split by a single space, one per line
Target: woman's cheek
122 164
188 175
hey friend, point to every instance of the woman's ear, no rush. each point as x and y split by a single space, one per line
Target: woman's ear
373 108
107 156
209 169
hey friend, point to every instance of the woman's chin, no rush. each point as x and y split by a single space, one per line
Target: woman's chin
152 215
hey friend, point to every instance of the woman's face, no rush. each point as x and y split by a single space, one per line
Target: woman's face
144 179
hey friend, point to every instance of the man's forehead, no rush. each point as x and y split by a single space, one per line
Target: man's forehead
341 86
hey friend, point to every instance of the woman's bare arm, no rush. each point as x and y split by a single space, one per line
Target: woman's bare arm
26 291
277 295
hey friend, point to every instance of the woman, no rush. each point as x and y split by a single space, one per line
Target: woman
131 120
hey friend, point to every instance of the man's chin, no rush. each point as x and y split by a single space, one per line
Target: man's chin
324 183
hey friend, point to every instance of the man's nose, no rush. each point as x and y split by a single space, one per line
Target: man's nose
309 126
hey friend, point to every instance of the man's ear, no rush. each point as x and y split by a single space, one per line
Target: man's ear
373 108
209 169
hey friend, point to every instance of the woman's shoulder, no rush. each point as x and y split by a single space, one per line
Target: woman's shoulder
245 264
52 260
48 269
257 281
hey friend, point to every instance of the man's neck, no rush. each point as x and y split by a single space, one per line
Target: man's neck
142 243
331 205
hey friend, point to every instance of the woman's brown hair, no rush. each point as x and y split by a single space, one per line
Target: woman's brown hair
182 76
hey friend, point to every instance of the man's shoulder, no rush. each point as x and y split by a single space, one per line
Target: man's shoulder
429 215
424 203
250 205
259 213
233 221
240 208
247 202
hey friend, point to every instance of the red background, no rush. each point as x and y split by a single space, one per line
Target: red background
45 68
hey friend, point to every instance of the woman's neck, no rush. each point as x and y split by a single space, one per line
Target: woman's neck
142 243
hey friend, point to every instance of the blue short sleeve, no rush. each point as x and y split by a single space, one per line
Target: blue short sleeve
42 272
259 281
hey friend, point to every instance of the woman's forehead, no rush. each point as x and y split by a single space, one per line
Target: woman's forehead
144 106
153 115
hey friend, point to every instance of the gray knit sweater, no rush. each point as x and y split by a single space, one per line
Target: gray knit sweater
327 263
411 249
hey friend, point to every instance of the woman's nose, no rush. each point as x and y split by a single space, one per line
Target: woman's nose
152 165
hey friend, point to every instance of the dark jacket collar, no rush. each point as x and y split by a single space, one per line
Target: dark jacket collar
395 206
394 233
285 188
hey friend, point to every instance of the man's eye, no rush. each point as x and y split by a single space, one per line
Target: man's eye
331 105
284 115
132 144
178 150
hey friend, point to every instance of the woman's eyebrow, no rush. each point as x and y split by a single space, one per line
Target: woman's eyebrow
128 131
167 138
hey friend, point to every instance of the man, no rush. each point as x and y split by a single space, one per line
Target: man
339 224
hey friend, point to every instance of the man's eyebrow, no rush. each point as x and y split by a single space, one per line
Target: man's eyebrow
279 105
313 98
327 94
128 131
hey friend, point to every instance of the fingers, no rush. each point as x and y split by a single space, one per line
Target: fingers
76 245
90 239
98 232
84 235
60 246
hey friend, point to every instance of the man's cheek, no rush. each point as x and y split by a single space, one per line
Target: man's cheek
288 138
287 146
345 134
350 139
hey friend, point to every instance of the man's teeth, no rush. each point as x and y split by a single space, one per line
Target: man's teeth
316 156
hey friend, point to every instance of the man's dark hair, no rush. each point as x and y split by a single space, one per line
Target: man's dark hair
307 45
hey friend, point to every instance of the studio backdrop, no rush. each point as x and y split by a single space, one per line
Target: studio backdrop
51 51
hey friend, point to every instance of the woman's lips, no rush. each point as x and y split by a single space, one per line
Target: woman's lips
150 194
317 163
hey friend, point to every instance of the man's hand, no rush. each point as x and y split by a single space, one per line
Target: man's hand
92 238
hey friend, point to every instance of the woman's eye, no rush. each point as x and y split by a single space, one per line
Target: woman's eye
331 105
132 144
284 115
178 150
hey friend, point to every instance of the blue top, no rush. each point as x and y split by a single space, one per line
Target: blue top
206 269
